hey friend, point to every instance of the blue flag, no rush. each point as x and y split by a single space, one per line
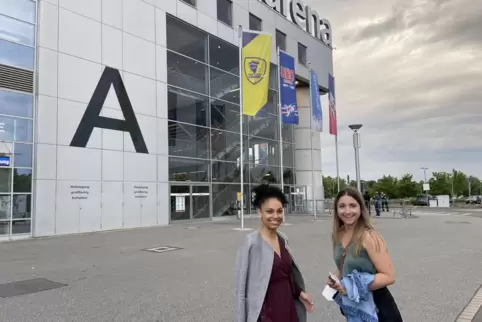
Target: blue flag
316 113
287 89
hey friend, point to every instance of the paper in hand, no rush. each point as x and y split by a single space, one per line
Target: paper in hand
328 293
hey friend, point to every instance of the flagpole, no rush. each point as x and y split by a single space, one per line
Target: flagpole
311 147
241 161
280 125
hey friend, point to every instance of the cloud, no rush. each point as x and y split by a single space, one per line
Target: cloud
411 72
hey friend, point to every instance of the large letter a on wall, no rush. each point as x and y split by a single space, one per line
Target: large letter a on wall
92 118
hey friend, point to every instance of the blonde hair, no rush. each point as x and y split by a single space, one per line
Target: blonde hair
362 226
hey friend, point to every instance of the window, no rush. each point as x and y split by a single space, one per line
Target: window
223 55
181 169
224 86
302 54
16 104
225 116
226 145
17 31
188 141
190 2
225 11
186 40
16 55
254 23
187 107
15 129
187 73
280 40
225 172
19 9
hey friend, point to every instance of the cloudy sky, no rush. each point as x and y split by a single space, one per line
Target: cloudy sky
411 72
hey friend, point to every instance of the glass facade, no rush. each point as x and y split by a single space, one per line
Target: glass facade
204 127
17 49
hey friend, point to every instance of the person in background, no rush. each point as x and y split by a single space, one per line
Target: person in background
269 284
378 201
385 202
366 197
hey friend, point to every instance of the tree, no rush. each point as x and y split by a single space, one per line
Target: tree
407 187
388 185
441 183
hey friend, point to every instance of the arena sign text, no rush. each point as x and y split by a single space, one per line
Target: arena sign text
304 17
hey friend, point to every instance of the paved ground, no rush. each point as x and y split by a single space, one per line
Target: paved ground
478 317
110 278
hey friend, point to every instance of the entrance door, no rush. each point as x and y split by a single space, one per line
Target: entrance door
190 202
298 198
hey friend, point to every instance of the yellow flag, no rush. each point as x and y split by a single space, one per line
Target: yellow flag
255 63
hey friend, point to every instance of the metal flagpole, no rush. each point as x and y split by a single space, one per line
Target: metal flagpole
241 157
311 147
280 125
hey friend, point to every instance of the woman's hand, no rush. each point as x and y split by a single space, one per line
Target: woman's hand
307 301
336 286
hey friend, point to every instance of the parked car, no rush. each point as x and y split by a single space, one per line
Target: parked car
473 200
422 200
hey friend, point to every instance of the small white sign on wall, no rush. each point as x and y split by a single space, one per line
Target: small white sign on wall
180 203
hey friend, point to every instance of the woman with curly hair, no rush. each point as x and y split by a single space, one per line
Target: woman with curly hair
270 287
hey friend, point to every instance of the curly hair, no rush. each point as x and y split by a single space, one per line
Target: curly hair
264 192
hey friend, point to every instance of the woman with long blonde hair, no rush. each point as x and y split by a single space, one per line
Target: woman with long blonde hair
359 247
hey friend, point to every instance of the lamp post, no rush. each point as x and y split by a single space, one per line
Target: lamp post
424 174
356 145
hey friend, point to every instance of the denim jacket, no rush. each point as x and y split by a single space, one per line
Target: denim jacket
357 305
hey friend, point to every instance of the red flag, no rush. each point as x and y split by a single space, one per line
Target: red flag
332 105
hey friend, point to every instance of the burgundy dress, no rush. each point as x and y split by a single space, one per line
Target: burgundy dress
279 302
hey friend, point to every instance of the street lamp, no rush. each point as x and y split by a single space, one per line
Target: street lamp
356 146
424 174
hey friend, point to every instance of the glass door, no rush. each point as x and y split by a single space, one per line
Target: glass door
201 203
180 202
190 202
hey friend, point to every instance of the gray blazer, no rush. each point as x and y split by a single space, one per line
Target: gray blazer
253 271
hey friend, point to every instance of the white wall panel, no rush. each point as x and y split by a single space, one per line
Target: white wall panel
163 203
207 23
139 19
88 8
112 208
142 93
46 119
48 32
112 13
78 163
46 162
187 13
77 78
69 114
47 72
111 47
112 165
169 6
160 27
112 139
139 56
44 214
82 42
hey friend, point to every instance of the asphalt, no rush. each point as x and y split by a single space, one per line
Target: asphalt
478 316
109 276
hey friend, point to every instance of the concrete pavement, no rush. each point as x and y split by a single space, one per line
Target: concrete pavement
109 276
